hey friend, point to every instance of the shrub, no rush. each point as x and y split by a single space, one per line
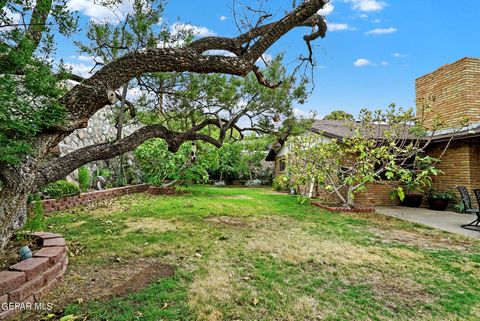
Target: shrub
281 183
60 189
448 196
84 178
459 207
253 182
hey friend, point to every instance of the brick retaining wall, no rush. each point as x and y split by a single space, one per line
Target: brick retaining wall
52 205
28 281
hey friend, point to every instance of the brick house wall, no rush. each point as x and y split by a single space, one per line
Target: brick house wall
460 164
377 194
456 88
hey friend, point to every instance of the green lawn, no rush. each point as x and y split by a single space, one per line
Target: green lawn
252 254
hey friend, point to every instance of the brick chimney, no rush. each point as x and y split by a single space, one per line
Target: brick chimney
456 88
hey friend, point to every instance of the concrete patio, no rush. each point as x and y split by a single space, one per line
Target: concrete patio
443 220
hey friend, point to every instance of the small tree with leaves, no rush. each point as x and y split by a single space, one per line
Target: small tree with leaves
381 145
339 115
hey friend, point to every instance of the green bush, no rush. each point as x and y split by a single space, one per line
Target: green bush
281 183
60 189
84 178
448 196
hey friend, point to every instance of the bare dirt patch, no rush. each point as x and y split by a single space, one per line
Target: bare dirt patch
143 278
85 282
10 254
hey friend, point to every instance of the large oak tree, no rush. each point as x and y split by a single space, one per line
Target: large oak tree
37 115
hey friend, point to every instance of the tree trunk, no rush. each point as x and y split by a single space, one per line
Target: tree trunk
18 184
121 179
350 198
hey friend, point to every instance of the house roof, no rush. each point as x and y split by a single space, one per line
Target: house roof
339 129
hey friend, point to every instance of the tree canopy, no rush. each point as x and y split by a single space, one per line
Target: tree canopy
40 107
339 115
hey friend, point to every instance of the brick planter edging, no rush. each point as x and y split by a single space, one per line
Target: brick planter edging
52 205
344 209
26 282
155 190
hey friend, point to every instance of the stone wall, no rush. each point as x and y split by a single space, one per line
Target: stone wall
456 88
100 130
28 281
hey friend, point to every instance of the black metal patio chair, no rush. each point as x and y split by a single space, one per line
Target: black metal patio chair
467 203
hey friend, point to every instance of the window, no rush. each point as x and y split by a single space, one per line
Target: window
282 165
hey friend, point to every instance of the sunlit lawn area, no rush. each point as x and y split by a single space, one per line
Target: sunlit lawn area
253 254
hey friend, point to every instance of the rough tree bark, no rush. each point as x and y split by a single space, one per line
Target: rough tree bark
86 98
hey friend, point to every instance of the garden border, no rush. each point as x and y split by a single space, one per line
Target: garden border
52 205
26 282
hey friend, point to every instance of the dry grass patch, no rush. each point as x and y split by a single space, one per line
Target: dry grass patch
228 220
433 241
151 224
208 292
294 245
396 289
305 308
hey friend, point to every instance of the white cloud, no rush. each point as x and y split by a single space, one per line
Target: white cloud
219 53
198 31
100 13
85 58
338 26
362 62
223 18
367 5
79 69
326 10
363 16
399 55
381 31
377 21
265 59
384 63
13 17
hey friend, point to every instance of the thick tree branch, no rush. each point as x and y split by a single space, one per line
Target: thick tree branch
91 95
39 18
61 167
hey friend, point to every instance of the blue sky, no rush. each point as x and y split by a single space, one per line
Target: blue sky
370 57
